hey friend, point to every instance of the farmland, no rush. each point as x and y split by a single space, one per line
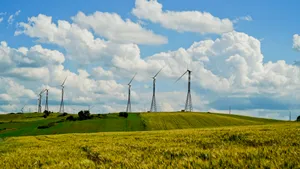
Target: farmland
259 146
27 124
167 121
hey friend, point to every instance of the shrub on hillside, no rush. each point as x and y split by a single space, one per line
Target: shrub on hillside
84 115
63 115
70 118
298 118
101 115
123 114
46 113
47 126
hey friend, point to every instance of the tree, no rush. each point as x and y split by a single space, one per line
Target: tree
46 113
298 118
84 115
123 114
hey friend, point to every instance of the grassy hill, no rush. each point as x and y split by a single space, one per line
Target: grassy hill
274 145
27 124
167 121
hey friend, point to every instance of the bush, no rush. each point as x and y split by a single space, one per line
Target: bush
84 115
298 118
70 118
47 126
101 115
63 115
123 114
46 113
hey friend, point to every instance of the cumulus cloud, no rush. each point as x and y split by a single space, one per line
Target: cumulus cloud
296 42
182 21
12 91
114 28
28 63
1 19
80 44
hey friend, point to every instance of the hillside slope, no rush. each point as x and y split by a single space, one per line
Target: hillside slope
262 146
167 121
27 124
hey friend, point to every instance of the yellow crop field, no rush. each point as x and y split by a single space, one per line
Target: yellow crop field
168 121
261 146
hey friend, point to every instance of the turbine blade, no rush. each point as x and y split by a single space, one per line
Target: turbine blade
64 81
158 72
181 76
132 79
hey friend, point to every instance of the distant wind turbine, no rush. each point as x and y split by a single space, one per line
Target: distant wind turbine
153 107
62 105
128 109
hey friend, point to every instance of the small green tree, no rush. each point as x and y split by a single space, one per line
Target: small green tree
46 113
298 118
84 115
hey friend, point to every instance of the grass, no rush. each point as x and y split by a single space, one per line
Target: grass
27 124
167 121
261 146
21 126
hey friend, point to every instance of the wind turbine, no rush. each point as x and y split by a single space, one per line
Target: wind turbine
128 109
153 107
188 102
62 106
40 101
22 110
46 104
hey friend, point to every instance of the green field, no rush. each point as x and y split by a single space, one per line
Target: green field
260 146
27 124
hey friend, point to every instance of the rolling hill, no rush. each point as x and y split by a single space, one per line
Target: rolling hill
167 121
27 124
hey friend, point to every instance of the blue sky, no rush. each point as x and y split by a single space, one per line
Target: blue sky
272 23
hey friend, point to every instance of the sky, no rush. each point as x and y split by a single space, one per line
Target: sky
243 55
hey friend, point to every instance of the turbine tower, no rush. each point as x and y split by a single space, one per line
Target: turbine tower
188 102
153 107
128 109
22 110
40 101
46 104
62 105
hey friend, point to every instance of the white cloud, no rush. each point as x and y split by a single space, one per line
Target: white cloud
1 19
243 18
14 91
99 72
296 42
183 21
114 28
80 44
12 17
